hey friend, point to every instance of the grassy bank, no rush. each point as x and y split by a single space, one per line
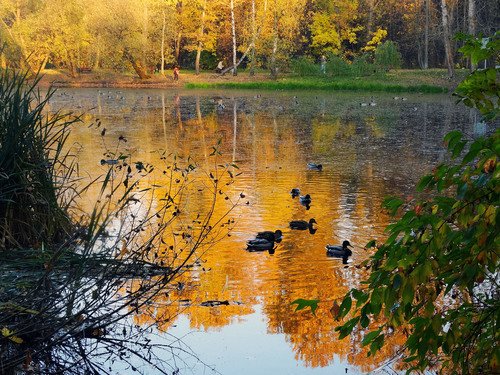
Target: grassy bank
296 84
428 81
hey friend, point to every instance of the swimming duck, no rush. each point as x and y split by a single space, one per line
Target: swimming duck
315 167
109 161
302 224
275 236
305 199
295 192
339 251
260 244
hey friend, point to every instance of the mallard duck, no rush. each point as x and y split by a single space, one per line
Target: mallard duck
302 224
339 251
260 244
295 192
275 236
315 167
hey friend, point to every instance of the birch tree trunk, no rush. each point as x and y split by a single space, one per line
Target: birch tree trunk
254 37
249 48
427 10
200 39
178 41
233 31
274 67
447 38
163 27
471 16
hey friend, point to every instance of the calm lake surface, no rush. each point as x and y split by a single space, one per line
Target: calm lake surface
367 152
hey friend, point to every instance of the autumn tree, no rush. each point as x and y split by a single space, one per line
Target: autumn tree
333 23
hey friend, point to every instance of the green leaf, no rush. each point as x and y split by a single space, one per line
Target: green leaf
345 306
359 296
377 344
392 204
397 281
364 321
303 303
347 328
371 244
473 151
424 182
408 293
370 337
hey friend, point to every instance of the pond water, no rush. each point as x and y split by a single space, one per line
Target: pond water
367 151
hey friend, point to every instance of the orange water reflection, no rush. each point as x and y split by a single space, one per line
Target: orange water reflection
367 153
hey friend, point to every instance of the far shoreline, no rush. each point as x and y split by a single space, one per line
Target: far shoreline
425 81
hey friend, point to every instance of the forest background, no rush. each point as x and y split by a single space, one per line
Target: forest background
150 36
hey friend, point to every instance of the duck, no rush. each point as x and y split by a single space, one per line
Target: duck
270 236
295 192
305 199
260 244
109 161
339 251
302 224
315 166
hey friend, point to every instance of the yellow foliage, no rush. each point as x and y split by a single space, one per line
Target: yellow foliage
377 38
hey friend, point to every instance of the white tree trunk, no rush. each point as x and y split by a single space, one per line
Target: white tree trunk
427 10
233 31
447 38
163 26
274 67
254 37
200 39
471 15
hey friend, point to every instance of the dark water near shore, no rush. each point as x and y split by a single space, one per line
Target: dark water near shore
367 151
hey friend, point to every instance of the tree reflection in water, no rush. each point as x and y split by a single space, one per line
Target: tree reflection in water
366 153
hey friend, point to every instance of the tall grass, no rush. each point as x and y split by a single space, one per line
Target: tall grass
298 84
34 168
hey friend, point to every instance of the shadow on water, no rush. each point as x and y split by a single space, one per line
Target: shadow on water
367 153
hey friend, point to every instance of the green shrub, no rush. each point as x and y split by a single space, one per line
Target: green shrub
387 56
336 66
361 66
304 67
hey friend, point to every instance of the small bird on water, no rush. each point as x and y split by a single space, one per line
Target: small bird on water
275 236
302 224
339 251
315 166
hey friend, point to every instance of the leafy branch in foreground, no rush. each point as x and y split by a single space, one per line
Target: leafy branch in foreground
481 88
436 276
